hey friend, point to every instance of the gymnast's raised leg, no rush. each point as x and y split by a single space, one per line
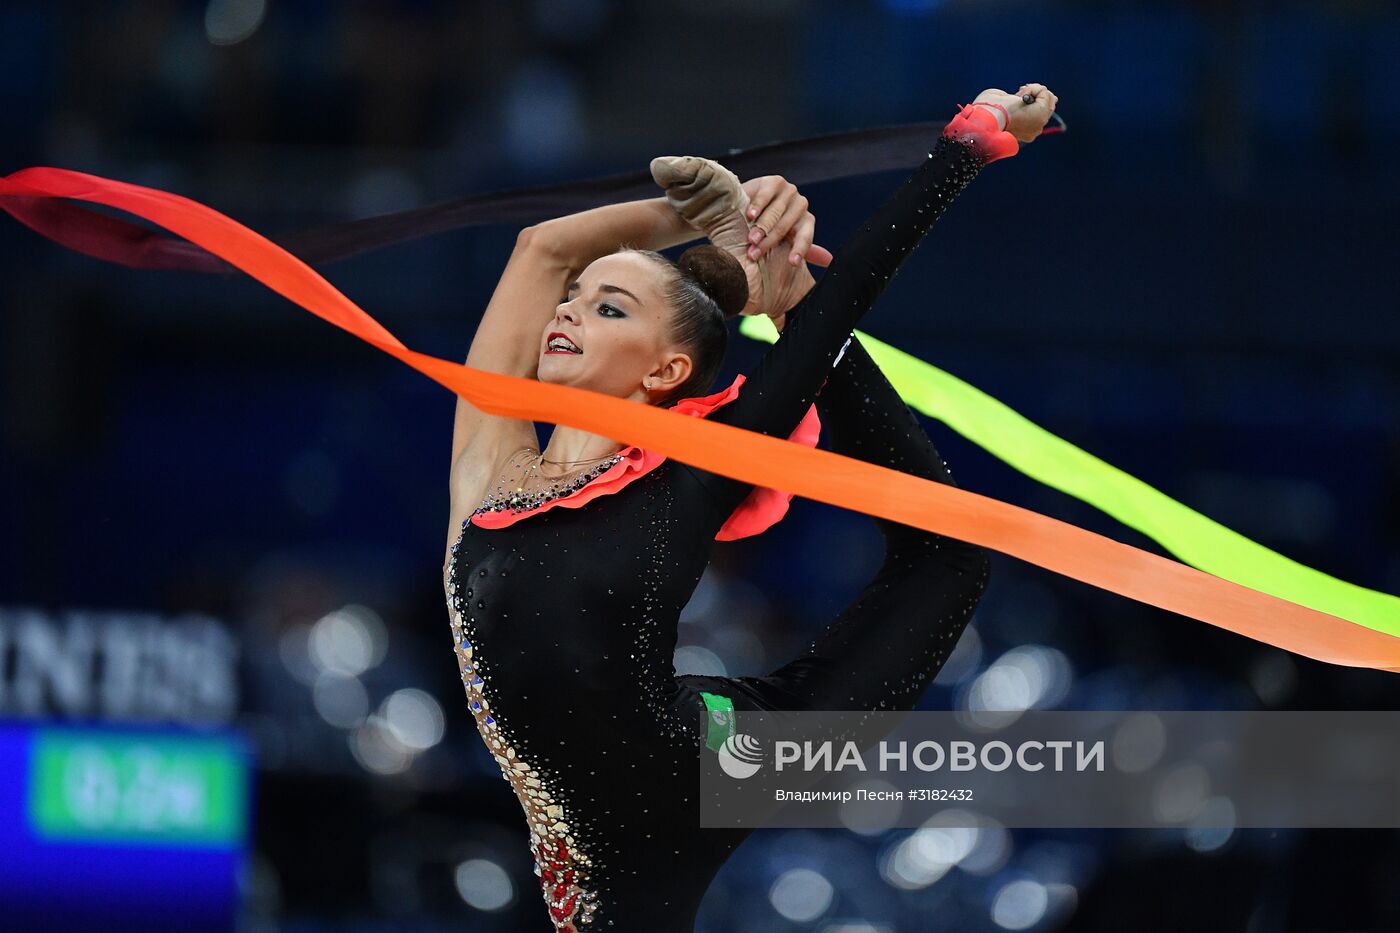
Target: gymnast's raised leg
883 650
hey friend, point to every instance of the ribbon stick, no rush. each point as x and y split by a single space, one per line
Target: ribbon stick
755 458
1034 451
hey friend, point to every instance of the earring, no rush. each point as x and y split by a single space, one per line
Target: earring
647 385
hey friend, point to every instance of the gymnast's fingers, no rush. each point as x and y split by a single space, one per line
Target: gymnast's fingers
760 191
802 238
1028 120
795 209
770 221
819 256
1043 95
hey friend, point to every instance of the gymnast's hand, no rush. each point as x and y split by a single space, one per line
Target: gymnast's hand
778 212
1027 120
713 200
780 242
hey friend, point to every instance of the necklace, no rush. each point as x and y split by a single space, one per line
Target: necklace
522 487
544 459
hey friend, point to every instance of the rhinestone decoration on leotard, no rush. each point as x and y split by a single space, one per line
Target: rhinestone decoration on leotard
510 494
561 863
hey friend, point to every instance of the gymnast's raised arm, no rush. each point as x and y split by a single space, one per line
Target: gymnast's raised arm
780 389
546 257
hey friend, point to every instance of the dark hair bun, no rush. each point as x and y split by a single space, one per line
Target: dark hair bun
719 274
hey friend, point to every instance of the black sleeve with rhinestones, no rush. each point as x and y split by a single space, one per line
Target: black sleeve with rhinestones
781 388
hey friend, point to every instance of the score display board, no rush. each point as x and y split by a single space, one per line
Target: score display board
115 828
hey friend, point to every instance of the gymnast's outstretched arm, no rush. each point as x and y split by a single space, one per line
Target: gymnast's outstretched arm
781 388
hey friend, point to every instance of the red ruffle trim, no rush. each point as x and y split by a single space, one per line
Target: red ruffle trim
760 510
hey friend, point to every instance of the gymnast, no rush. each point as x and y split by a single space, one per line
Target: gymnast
567 568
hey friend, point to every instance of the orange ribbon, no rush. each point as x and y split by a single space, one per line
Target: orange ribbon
755 458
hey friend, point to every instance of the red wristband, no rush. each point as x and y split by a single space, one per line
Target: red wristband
987 103
975 125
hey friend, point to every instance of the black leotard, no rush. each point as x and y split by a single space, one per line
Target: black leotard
565 622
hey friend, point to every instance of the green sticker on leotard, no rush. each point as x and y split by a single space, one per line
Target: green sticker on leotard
1188 535
720 719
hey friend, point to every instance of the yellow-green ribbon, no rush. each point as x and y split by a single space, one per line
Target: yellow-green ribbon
1187 534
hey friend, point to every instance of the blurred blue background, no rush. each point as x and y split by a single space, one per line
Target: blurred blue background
1196 283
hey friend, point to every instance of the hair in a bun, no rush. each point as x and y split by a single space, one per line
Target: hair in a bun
719 275
704 288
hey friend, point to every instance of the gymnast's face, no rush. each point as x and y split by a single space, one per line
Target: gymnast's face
617 317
